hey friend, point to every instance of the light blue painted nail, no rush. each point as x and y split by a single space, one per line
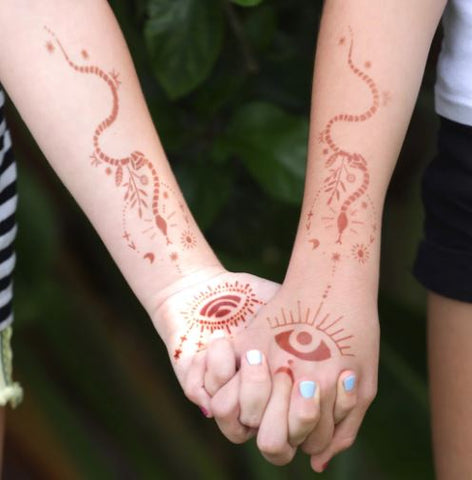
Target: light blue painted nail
307 389
254 357
349 383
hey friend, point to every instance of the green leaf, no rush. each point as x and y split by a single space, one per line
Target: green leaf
247 3
273 146
206 188
184 38
261 26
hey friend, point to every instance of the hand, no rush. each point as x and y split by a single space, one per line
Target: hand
324 374
190 312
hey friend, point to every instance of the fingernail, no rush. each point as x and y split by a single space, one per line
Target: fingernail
217 334
307 389
254 357
205 411
349 383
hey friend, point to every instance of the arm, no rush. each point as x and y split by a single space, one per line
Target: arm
369 64
66 66
323 323
67 69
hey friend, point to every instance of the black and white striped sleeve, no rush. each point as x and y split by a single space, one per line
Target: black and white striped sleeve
8 201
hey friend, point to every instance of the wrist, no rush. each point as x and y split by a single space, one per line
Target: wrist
193 274
334 271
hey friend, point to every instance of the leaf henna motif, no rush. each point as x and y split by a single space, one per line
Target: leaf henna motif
309 335
223 307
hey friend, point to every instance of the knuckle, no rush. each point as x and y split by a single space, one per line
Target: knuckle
221 376
270 448
191 392
346 406
346 442
306 448
370 395
281 460
220 409
314 447
317 448
250 420
238 435
308 418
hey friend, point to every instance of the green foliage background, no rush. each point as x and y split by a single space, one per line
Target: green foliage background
228 85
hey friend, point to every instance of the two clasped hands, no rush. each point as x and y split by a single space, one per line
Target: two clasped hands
282 363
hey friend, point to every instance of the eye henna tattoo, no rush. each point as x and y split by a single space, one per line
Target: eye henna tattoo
310 336
348 178
144 192
225 307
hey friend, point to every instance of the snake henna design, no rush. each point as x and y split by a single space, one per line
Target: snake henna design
225 307
346 168
135 173
311 337
348 160
135 161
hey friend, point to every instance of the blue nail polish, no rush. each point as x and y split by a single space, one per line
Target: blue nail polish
349 383
254 357
307 389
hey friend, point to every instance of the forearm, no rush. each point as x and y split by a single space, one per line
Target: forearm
368 69
67 68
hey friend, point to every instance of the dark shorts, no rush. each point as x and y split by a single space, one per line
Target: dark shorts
444 259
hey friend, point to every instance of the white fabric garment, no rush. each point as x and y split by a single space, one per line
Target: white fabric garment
453 89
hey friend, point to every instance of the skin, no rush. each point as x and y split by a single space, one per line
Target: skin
391 40
395 38
66 67
450 363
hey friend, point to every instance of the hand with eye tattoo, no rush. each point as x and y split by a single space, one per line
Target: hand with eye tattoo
305 378
198 311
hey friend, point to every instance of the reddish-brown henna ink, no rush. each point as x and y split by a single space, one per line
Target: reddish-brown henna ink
135 173
309 336
224 307
188 240
344 159
287 370
348 179
149 256
360 252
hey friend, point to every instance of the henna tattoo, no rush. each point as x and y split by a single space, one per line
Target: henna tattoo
348 177
360 252
224 307
310 334
144 192
149 256
188 240
286 370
